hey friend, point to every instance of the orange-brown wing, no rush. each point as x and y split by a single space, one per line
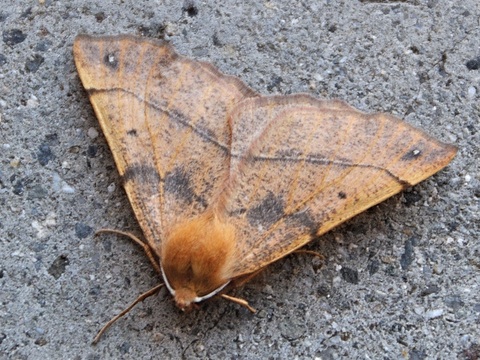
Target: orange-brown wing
164 117
304 166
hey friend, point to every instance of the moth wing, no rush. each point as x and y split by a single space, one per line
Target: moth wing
303 166
163 116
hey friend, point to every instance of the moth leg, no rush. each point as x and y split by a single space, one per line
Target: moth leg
310 252
146 247
115 318
239 301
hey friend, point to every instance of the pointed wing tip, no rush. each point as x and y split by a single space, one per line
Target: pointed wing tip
95 53
449 153
434 162
443 154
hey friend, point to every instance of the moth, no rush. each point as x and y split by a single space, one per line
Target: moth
224 181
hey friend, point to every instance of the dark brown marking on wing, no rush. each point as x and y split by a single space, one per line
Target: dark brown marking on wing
237 212
304 219
165 61
178 182
132 132
268 212
412 154
111 60
342 195
144 174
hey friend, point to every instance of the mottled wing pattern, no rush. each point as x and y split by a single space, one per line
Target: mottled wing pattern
303 166
162 115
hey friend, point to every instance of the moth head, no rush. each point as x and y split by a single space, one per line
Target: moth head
185 298
197 259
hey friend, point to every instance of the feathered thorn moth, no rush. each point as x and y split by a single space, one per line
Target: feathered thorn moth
224 181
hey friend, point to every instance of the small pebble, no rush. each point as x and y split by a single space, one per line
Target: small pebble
432 314
41 230
60 185
67 189
418 310
268 290
32 102
92 133
82 230
472 91
51 219
157 337
111 188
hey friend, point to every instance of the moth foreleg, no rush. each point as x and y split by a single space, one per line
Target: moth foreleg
115 318
239 301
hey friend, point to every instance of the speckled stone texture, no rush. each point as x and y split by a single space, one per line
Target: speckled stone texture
398 281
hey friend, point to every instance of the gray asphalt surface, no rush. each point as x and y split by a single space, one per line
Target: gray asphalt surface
399 281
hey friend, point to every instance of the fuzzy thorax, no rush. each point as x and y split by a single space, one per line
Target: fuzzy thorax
197 258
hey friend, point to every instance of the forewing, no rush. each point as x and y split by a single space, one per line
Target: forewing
164 117
303 166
